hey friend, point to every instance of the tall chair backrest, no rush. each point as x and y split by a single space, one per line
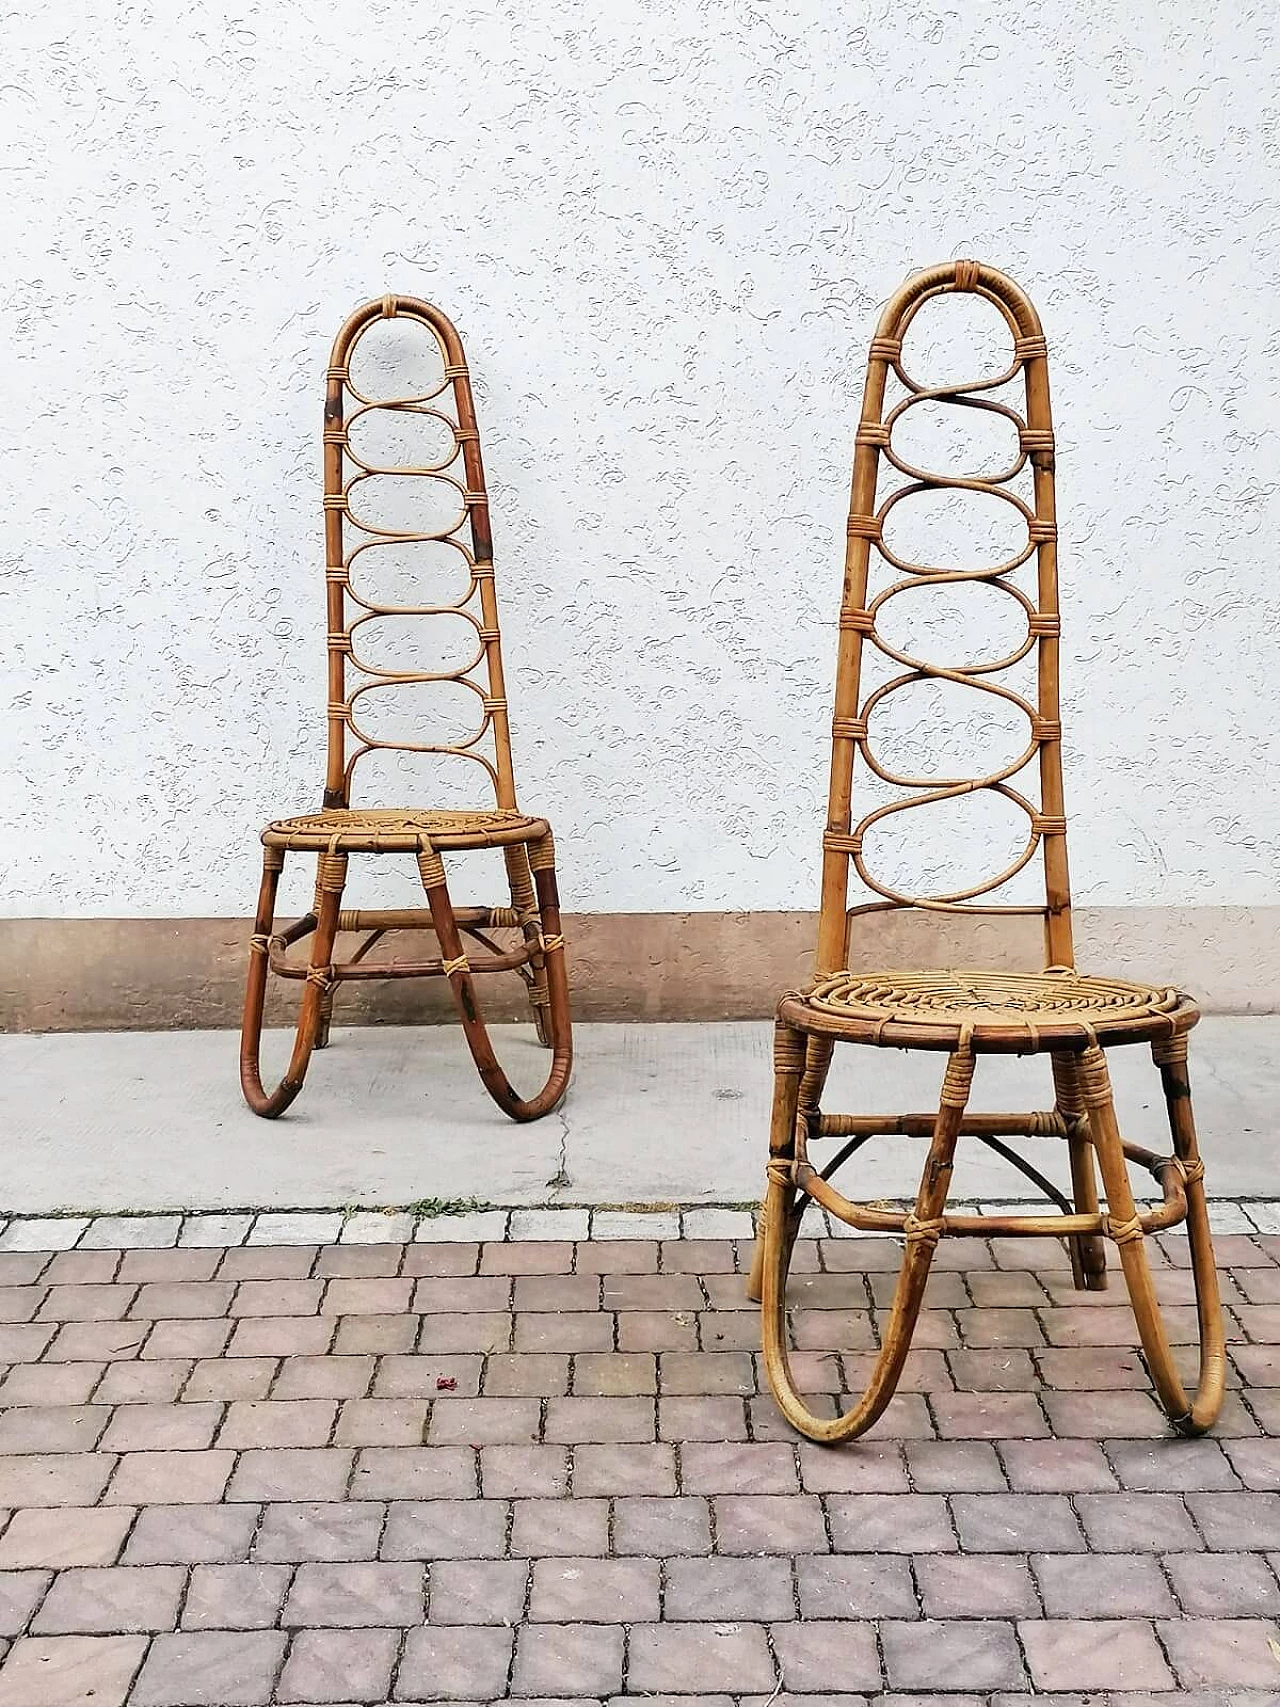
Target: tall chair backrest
882 479
436 479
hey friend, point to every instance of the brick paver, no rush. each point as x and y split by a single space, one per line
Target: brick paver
547 1472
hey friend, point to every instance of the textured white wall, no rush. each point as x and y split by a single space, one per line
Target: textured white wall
664 229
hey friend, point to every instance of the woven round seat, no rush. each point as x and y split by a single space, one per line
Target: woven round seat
1003 1010
390 830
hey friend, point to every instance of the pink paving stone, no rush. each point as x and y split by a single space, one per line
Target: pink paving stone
593 1591
746 1467
170 1478
51 1479
112 1600
52 1428
435 1259
961 1586
210 1298
827 1656
580 1658
86 1303
212 1534
864 1467
154 1381
278 1422
286 1473
989 1416
359 1261
65 1536
850 1585
697 1658
976 1654
146 1428
235 1597
70 1671
20 1593
524 1472
890 1523
320 1378
382 1422
50 1383
571 1528
1003 1371
450 1529
707 1417
414 1473
376 1335
1222 1651
1067 1654
277 1298
602 1420
1057 1466
356 1594
322 1530
663 1527
479 1591
559 1292
210 1668
483 1422
326 1664
367 1297
527 1256
954 1466
772 1523
454 1663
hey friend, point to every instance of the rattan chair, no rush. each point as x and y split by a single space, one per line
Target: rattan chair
1071 1017
440 410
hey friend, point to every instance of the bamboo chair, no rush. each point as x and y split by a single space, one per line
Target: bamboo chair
1070 1017
353 543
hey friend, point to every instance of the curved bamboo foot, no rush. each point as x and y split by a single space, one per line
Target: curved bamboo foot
318 986
542 863
1189 1416
922 1231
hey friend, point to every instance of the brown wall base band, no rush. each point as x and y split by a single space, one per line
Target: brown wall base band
181 974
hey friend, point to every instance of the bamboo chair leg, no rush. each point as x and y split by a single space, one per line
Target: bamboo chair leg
1189 1416
923 1229
329 886
818 1053
1087 1251
542 862
523 899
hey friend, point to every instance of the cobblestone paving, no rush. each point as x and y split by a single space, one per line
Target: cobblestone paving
548 1471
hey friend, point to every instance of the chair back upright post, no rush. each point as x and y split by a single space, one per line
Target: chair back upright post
842 841
339 482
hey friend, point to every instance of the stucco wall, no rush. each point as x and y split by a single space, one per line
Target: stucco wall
664 231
